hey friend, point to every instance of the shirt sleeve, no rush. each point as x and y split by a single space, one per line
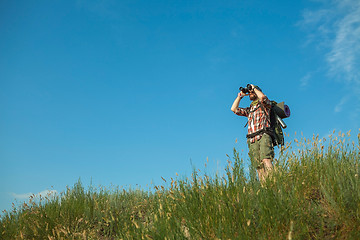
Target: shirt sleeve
242 112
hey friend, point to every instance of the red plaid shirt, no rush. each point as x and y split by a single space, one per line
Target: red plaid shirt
257 118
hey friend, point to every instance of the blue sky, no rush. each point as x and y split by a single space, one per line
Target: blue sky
126 92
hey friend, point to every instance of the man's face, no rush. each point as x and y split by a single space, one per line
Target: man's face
252 96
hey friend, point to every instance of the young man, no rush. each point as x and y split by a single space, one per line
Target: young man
261 150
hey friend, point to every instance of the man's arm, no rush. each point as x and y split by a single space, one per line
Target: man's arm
261 96
236 103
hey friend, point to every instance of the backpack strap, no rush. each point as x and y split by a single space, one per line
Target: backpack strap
267 116
262 131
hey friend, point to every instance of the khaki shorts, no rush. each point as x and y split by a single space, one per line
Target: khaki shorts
261 149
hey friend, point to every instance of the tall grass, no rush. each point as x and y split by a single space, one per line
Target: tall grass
313 193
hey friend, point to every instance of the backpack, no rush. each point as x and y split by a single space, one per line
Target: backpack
276 125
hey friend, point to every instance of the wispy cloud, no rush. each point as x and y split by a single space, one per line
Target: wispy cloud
340 105
344 57
26 196
304 81
102 8
335 29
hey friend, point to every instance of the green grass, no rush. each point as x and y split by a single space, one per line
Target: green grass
313 193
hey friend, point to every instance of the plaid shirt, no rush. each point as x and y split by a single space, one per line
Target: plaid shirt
257 118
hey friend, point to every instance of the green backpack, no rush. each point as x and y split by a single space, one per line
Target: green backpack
278 112
276 128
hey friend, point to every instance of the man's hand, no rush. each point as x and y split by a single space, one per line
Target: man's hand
235 105
252 87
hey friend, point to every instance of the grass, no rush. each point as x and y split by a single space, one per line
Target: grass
313 193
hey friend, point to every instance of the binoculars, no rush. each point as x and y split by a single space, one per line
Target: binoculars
247 89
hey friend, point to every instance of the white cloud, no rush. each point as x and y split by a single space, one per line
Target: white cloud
102 8
344 56
304 81
339 106
335 29
26 196
21 196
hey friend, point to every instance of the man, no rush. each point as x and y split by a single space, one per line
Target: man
261 150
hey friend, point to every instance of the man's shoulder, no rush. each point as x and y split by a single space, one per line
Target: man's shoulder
265 101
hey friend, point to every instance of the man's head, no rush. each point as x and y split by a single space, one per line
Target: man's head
252 96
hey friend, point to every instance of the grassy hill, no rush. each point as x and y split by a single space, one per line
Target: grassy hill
314 193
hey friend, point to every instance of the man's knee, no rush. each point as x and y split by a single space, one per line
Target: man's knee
267 163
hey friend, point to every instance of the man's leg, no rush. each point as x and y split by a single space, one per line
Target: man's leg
261 174
267 154
254 153
268 167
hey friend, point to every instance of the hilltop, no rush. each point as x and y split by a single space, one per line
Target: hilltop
314 193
